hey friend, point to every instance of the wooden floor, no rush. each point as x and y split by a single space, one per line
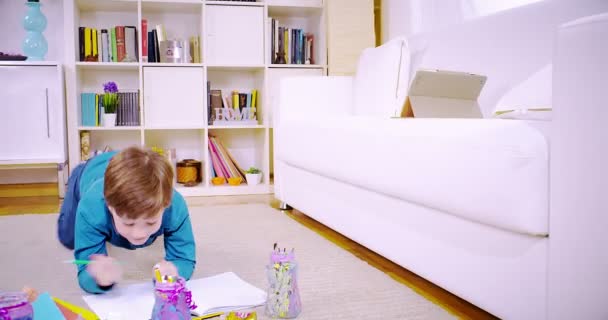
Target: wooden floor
42 198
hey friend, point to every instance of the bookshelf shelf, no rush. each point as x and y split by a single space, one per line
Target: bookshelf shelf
223 190
169 64
174 127
236 3
117 128
173 100
236 67
107 65
297 66
237 126
28 63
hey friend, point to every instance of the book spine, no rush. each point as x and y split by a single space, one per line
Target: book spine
144 40
121 49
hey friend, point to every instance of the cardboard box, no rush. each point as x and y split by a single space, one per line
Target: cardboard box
444 94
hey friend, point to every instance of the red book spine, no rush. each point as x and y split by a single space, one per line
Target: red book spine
144 39
121 50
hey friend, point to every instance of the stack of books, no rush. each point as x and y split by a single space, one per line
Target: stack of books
117 44
290 45
127 113
222 163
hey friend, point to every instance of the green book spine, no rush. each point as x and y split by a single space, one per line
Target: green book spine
113 36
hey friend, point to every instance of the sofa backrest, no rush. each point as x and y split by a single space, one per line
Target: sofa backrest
381 81
507 47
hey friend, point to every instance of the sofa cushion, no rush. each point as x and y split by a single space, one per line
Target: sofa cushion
490 171
381 81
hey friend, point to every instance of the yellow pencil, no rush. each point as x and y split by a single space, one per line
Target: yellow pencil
207 316
158 276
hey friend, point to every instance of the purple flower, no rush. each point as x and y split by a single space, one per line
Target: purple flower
110 87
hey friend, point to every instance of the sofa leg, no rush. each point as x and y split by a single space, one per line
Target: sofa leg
284 206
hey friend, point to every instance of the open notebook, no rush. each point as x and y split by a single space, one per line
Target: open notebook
222 292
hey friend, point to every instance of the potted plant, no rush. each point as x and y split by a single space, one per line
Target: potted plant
253 176
110 103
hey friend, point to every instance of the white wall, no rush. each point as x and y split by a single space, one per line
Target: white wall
12 32
407 17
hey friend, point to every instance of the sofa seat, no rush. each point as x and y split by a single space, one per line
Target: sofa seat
490 171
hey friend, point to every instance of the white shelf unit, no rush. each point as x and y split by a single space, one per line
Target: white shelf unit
235 55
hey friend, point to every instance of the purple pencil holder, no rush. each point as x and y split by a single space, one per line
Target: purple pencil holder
14 306
172 301
283 296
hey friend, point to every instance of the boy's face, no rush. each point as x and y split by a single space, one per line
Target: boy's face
137 231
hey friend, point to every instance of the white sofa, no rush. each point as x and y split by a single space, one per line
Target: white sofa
464 203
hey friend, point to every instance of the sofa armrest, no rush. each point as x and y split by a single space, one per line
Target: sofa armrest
313 97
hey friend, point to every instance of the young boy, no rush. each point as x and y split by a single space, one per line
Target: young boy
126 198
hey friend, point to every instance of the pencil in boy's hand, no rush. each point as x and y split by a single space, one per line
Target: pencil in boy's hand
77 262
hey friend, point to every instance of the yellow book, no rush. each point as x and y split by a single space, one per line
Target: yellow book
88 50
94 43
254 99
235 100
286 45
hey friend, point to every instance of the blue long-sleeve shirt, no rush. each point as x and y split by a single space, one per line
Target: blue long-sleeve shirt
94 227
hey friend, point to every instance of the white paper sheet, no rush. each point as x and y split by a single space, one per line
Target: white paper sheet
222 292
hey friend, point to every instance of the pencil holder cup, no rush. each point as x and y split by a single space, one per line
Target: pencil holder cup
172 301
283 296
14 306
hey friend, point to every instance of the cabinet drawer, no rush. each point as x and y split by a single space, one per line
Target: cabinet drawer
174 97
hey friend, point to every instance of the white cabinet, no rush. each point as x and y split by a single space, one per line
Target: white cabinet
174 97
32 121
235 35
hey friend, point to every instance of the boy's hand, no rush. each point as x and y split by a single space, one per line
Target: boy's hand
167 268
105 270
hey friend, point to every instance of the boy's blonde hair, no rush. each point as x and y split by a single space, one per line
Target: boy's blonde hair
138 183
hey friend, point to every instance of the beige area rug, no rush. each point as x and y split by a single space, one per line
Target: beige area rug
334 284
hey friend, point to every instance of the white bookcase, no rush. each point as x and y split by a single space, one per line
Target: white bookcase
235 44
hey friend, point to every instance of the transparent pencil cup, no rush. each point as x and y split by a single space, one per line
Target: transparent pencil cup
283 296
14 306
172 301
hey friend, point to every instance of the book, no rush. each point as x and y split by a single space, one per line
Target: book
219 293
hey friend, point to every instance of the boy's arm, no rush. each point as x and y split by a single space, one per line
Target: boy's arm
89 240
180 248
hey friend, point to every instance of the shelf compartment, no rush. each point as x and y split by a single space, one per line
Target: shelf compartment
107 5
171 6
180 21
295 8
114 139
245 146
188 143
243 81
